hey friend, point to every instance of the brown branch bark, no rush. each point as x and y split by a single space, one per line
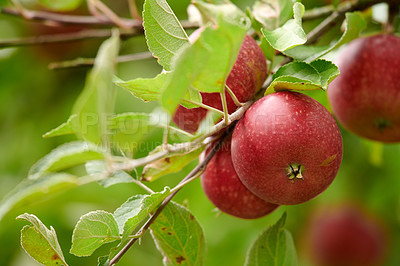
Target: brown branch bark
67 37
43 16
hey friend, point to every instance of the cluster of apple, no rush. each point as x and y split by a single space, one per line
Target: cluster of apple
285 150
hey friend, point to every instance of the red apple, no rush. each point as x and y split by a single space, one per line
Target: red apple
345 236
287 148
224 189
245 79
365 97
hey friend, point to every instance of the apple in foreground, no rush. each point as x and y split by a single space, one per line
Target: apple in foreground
224 189
346 236
245 79
287 148
365 97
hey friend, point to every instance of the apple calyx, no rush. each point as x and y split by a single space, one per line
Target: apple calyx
381 124
293 171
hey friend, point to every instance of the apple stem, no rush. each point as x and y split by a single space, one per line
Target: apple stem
234 98
202 105
225 107
293 171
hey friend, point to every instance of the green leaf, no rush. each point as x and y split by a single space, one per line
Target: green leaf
41 243
128 130
172 164
355 23
205 64
327 70
299 70
63 129
61 5
65 156
103 261
302 52
29 190
92 231
164 33
100 167
268 50
179 236
151 89
272 13
147 89
211 12
96 101
302 76
274 247
255 24
291 34
130 214
295 76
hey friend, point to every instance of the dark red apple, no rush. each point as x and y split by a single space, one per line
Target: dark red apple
224 189
365 97
346 236
287 148
245 79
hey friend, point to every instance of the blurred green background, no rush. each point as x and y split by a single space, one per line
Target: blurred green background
34 99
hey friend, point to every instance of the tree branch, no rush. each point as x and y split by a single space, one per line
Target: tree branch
318 12
195 172
43 16
337 16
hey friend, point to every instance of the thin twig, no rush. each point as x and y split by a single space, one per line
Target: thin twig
339 15
324 26
65 37
140 184
43 16
200 167
79 62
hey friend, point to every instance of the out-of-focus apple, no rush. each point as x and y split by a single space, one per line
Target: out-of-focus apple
365 97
